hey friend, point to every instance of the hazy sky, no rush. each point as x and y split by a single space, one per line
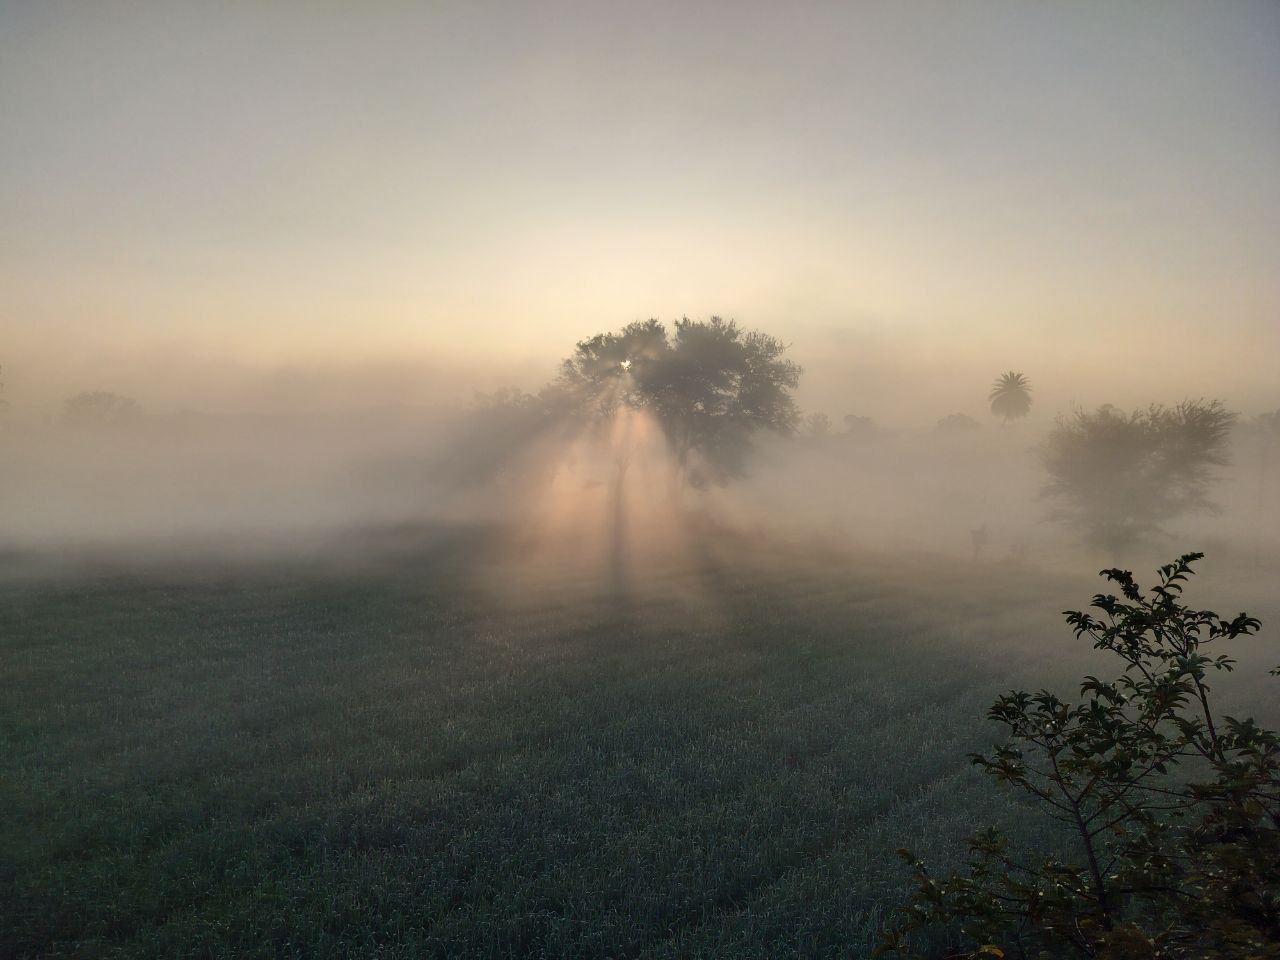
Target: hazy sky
396 197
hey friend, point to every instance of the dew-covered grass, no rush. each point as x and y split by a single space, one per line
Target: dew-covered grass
395 758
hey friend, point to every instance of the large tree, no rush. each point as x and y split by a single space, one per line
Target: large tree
1118 477
709 384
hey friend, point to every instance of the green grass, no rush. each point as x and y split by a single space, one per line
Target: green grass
299 760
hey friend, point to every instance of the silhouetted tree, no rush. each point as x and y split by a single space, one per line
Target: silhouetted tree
710 385
1011 396
1119 477
101 408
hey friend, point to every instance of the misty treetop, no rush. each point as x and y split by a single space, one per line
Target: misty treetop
1010 396
709 385
1119 477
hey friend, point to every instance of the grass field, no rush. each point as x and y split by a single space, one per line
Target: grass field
297 758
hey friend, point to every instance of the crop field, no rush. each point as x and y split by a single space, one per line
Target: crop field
397 758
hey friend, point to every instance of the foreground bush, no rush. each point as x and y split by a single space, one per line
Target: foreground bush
1173 809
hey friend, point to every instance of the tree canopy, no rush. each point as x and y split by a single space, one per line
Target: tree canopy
1120 476
1011 396
709 384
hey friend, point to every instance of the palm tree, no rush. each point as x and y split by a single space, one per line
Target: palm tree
1011 396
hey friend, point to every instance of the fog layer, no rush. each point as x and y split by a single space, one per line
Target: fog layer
598 495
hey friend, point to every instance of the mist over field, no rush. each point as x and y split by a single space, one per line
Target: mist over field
483 479
277 480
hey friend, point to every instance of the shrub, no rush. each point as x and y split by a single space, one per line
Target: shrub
1173 809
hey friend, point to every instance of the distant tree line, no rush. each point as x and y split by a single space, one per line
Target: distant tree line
100 408
711 387
1118 478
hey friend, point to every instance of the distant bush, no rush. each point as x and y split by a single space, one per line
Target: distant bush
1174 810
858 428
816 425
957 424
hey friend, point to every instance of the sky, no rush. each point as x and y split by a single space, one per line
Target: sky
287 205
